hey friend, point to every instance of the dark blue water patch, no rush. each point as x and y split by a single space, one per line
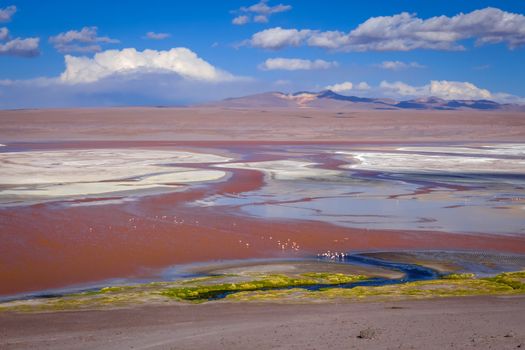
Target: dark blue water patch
411 273
480 180
96 287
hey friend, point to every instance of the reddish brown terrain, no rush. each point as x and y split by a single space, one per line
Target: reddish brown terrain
193 124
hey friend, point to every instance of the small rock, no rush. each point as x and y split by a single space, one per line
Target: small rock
367 333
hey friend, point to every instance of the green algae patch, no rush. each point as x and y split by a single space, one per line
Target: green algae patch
514 280
459 276
207 292
116 289
78 302
273 288
275 295
427 289
205 279
457 285
334 278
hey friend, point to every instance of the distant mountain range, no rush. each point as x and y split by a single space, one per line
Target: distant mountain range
328 99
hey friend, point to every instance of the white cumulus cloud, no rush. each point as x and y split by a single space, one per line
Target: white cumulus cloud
156 36
456 90
341 87
295 64
363 86
278 38
27 47
406 31
4 33
400 89
22 47
260 19
258 13
7 13
262 8
240 20
84 40
398 65
445 89
348 86
180 61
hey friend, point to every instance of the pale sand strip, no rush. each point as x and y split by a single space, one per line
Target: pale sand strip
285 169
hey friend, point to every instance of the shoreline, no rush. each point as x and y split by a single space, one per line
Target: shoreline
390 276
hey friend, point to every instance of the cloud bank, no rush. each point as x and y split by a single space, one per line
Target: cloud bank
448 90
445 89
180 61
406 32
131 78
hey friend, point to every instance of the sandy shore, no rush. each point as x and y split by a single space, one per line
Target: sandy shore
463 323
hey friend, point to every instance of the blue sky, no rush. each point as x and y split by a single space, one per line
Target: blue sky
475 51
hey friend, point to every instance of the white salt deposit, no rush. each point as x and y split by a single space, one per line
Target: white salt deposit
487 159
49 175
503 149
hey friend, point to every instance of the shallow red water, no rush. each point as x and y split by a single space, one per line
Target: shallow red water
52 245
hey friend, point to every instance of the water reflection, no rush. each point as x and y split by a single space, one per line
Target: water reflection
448 200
